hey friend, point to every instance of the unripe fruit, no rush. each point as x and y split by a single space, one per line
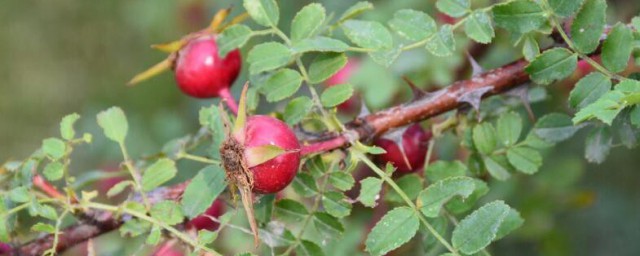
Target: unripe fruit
341 77
204 222
201 72
274 174
415 144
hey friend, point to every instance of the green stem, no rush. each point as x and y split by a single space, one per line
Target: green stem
134 174
182 236
56 235
197 158
407 200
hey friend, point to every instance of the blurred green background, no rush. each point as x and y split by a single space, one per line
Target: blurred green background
65 56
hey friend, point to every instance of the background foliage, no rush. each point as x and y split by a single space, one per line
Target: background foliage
75 56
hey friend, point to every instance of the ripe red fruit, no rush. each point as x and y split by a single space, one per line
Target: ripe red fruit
202 73
274 174
415 144
5 249
341 77
203 222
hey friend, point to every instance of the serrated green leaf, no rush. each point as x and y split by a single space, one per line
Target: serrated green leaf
158 173
605 109
308 248
45 211
281 85
355 10
617 48
454 8
168 212
53 171
341 180
43 227
203 189
335 203
509 127
232 38
396 228
297 109
551 65
524 159
263 12
291 209
154 235
305 185
206 237
411 184
555 127
589 89
385 57
519 16
565 8
484 138
135 206
442 44
66 126
530 48
268 56
431 199
326 65
512 222
336 94
119 187
478 27
319 44
369 191
598 145
54 148
479 228
497 166
588 25
307 21
327 224
114 124
413 25
19 195
368 34
134 227
440 170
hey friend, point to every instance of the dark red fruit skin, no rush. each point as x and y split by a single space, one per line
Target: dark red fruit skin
415 143
5 249
201 72
203 222
275 174
341 77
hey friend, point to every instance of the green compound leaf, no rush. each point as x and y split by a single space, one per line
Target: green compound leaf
203 189
263 12
370 191
498 166
336 94
326 65
114 124
268 56
368 34
530 48
53 171
327 224
411 184
589 89
168 212
319 44
158 173
512 222
555 127
551 65
431 199
617 48
441 170
232 38
509 127
308 248
588 25
478 27
524 159
413 25
291 209
54 148
341 180
604 109
565 8
519 16
297 109
305 185
335 203
355 10
454 8
484 138
396 228
307 22
442 44
479 228
281 85
66 126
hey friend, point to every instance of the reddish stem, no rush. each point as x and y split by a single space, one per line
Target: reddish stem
46 187
323 146
225 95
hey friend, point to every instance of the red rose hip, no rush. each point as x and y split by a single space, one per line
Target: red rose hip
202 73
415 144
204 222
